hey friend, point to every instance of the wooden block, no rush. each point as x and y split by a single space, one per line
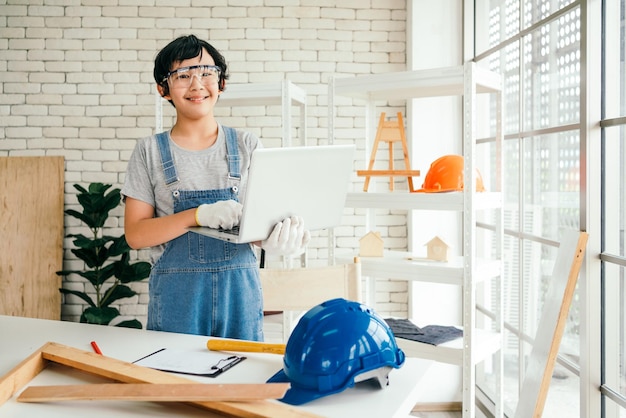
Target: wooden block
371 245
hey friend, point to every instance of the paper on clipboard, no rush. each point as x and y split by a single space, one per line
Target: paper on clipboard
199 363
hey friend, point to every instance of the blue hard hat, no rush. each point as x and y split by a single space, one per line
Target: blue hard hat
334 345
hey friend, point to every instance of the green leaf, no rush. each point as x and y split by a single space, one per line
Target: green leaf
133 272
133 323
94 218
81 295
115 293
141 270
82 241
98 188
126 272
95 277
106 273
111 200
96 205
80 188
78 215
119 246
100 316
94 258
88 255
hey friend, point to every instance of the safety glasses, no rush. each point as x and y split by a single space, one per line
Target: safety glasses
183 77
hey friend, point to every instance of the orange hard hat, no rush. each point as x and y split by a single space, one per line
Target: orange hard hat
446 175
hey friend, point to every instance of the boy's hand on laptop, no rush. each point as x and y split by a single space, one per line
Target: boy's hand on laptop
287 238
222 214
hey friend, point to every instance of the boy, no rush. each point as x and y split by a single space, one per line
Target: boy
194 175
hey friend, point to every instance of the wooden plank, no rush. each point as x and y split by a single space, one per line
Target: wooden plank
551 325
130 373
31 219
176 392
438 407
21 374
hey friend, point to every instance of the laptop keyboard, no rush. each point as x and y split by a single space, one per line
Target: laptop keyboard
233 231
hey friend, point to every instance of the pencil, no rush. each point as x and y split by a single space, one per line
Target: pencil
96 348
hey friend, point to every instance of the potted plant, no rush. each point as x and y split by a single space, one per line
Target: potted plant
105 257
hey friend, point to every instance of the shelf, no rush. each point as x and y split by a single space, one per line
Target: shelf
414 84
262 94
484 345
283 93
466 81
398 265
421 201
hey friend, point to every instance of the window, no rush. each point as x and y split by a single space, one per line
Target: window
613 210
536 46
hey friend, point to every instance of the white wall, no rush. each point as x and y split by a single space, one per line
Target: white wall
75 80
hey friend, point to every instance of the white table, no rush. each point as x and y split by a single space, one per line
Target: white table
20 337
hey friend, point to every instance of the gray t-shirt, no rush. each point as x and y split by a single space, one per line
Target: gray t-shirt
197 170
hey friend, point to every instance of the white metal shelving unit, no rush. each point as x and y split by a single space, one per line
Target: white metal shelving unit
284 93
465 271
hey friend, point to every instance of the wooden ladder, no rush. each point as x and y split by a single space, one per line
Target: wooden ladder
390 132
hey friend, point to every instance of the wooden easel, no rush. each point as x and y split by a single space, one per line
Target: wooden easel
390 132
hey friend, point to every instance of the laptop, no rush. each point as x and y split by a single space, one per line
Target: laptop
310 182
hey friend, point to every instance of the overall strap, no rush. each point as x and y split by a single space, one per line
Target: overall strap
169 169
232 151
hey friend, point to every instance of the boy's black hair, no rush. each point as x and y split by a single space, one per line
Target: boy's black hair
180 49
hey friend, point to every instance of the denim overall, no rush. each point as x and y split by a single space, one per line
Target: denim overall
202 285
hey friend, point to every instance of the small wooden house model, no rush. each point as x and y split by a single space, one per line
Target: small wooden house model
437 249
371 245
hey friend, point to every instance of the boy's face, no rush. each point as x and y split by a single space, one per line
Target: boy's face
194 88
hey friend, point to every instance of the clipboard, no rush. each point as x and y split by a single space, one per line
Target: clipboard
197 363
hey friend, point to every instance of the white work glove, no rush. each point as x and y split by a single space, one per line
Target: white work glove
222 214
287 238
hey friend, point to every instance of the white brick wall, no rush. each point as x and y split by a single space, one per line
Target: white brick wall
76 80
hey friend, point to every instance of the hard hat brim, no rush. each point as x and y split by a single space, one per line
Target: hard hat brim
295 395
